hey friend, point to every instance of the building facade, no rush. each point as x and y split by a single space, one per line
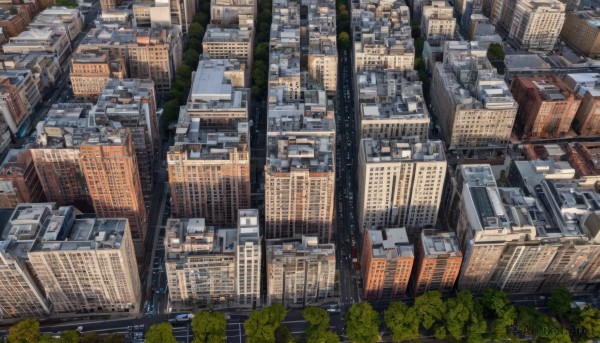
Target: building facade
437 263
248 260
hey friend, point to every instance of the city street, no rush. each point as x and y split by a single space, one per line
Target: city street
346 156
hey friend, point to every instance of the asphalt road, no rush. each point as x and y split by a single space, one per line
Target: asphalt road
346 157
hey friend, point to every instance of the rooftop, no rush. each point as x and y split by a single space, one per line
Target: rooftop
391 243
385 151
203 144
437 243
212 89
192 236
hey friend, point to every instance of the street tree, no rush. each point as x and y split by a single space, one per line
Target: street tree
209 327
69 336
402 321
560 301
160 333
464 318
344 40
261 326
25 331
317 318
323 336
431 309
362 323
191 58
283 335
196 30
497 307
589 320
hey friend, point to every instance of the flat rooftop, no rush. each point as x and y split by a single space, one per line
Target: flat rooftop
385 151
436 243
391 243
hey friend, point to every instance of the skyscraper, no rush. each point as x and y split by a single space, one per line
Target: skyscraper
400 183
109 164
248 260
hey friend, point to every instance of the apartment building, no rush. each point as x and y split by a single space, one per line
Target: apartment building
19 182
87 264
13 24
108 162
525 244
106 5
67 21
438 21
382 37
284 80
391 105
91 71
437 263
547 106
149 53
587 87
322 58
536 25
41 40
583 156
300 168
56 154
155 54
199 263
466 9
248 260
218 97
475 108
132 104
44 67
299 273
399 183
209 172
387 262
229 43
19 96
226 13
582 31
21 295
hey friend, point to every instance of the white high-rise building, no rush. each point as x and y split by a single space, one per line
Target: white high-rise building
248 259
400 183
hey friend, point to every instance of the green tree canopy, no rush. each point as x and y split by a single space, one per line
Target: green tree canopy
209 327
261 52
430 308
402 321
560 301
160 333
67 3
343 40
196 30
191 58
283 335
195 44
464 318
261 326
70 336
317 318
25 331
323 336
362 323
589 319
495 52
201 18
497 307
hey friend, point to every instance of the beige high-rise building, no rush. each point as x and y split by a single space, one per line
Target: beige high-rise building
248 260
299 273
217 96
131 103
209 173
322 45
392 105
474 106
21 295
200 264
56 154
587 118
382 37
90 73
106 5
536 25
229 43
227 12
87 264
521 244
399 184
387 263
109 165
300 169
437 263
582 30
438 21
